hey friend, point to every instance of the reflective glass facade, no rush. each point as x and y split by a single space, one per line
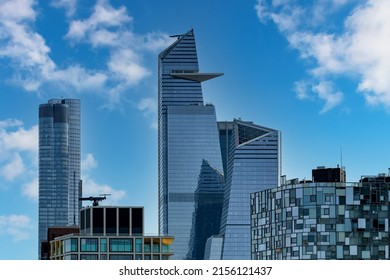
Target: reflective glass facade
251 156
322 220
59 164
187 136
208 208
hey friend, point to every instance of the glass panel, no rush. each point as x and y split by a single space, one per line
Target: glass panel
103 245
88 257
138 245
89 244
121 245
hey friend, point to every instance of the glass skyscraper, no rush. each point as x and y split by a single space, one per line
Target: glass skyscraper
251 159
187 135
59 165
207 169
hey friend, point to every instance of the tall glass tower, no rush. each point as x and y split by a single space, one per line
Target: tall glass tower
59 165
251 161
187 136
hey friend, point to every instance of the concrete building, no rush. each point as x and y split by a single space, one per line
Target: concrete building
111 233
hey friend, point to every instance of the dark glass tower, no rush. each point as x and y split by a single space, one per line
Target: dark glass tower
208 208
59 165
187 135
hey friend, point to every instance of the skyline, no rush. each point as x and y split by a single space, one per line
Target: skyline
306 71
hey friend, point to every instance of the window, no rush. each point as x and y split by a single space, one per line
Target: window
121 257
89 244
71 257
156 248
88 257
313 198
103 245
298 226
121 245
324 238
147 248
329 226
326 211
293 240
138 245
70 245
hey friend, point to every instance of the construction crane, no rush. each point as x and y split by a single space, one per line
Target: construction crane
95 199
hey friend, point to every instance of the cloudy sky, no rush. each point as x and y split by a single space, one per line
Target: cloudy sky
319 73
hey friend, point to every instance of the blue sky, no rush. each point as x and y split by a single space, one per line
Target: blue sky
318 72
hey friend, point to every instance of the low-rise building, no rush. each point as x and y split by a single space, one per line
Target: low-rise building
111 233
322 220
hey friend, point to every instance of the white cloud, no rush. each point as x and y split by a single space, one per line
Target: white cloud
325 91
149 107
301 89
107 29
21 139
29 54
14 168
16 226
155 41
10 123
88 163
79 78
69 6
359 49
103 16
31 189
19 153
327 50
17 10
92 188
124 64
262 10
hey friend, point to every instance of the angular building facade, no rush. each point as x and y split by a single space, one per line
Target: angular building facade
208 210
322 220
187 135
59 165
251 159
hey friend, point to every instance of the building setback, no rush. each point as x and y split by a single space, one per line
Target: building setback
187 136
251 159
207 170
322 220
59 165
